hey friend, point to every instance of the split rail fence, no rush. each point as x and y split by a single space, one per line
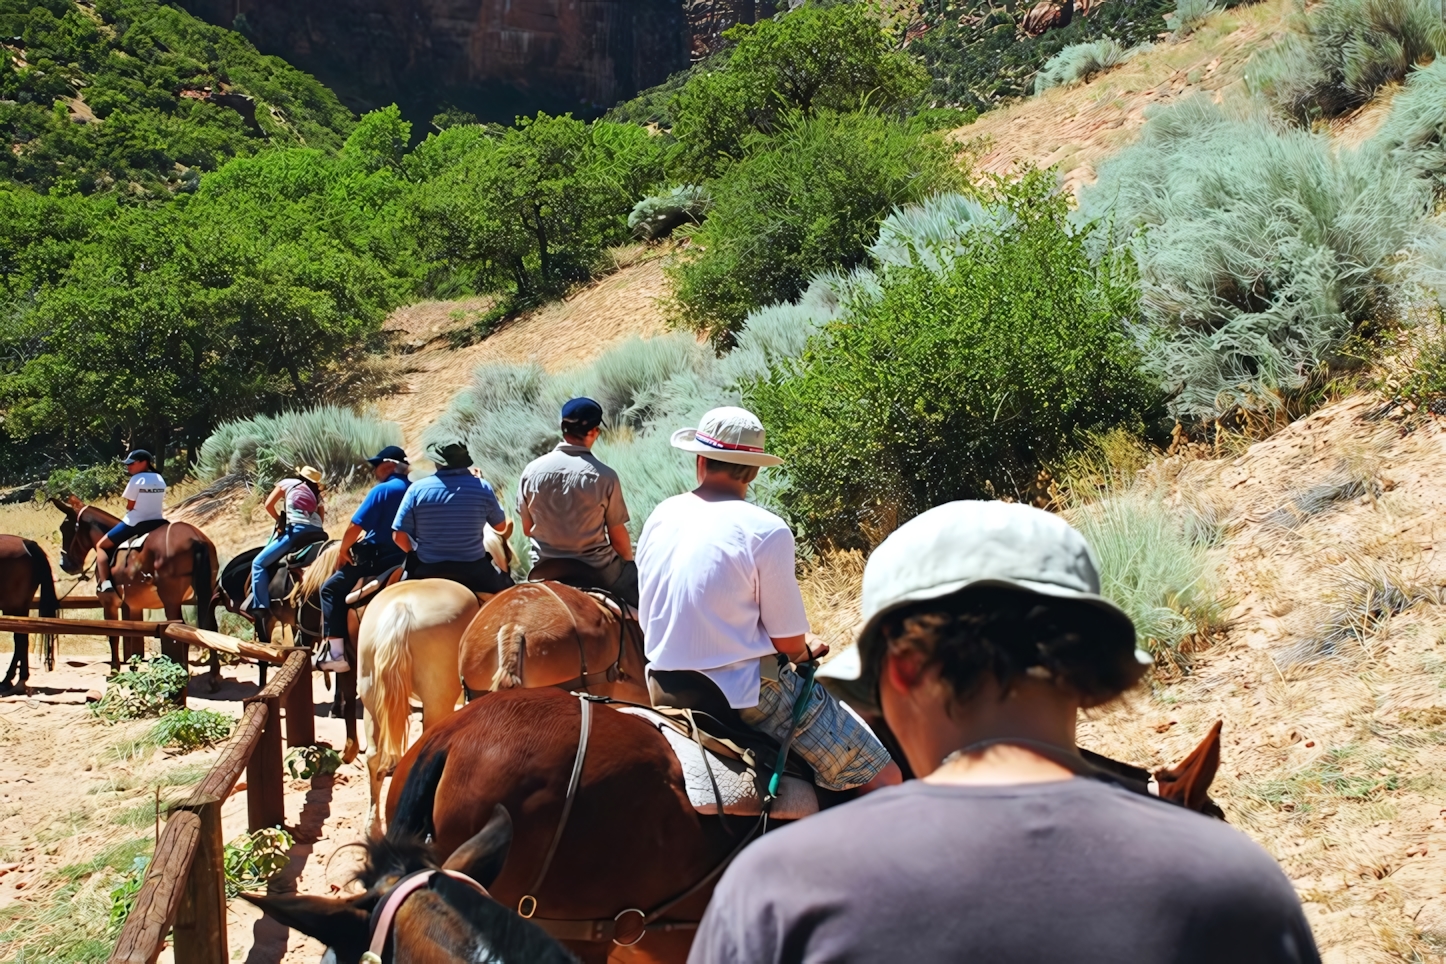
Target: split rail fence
184 890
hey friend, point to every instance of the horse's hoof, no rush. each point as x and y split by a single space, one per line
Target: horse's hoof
349 752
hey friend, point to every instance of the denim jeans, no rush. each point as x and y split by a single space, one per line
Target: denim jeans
274 552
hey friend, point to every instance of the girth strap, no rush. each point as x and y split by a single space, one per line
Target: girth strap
527 906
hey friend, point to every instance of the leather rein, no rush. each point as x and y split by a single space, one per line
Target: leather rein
600 930
385 914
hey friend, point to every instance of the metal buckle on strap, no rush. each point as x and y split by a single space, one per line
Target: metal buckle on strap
642 926
527 906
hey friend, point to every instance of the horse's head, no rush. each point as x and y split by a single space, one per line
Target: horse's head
498 543
474 927
74 544
1188 783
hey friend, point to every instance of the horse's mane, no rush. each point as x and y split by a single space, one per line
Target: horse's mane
320 570
395 855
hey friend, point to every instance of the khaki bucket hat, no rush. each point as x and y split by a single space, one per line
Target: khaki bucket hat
727 434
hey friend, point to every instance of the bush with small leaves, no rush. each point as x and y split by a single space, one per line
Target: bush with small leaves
191 729
253 859
149 688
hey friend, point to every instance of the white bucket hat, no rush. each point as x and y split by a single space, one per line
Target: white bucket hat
727 434
961 545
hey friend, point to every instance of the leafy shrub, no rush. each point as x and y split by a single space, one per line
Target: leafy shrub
978 58
1414 134
148 689
1155 566
1077 63
253 859
192 729
803 201
1260 250
813 59
123 895
333 439
657 215
1190 14
956 378
88 484
305 762
1346 50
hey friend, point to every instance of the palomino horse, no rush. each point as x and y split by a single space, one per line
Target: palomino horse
444 917
633 841
548 634
175 564
24 568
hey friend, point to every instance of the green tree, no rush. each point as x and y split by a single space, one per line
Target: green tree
966 369
804 200
836 58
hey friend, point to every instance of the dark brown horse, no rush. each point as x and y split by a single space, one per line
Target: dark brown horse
176 564
550 634
24 569
444 920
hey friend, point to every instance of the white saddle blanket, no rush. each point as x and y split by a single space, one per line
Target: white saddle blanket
737 784
134 542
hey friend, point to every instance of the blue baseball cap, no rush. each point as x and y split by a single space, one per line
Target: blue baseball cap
583 412
392 453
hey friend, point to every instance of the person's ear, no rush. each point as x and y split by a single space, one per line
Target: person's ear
702 472
904 670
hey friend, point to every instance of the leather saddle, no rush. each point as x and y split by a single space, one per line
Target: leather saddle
138 539
236 576
369 586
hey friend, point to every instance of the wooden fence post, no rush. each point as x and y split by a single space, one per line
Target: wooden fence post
156 906
179 653
300 712
200 932
265 794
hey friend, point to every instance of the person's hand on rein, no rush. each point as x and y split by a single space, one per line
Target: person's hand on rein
814 648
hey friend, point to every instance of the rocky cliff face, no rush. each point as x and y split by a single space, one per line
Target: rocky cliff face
494 58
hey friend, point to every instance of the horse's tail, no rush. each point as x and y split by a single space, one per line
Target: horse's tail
319 571
392 682
203 583
40 572
419 797
511 652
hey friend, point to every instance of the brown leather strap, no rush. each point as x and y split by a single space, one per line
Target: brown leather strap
598 931
584 729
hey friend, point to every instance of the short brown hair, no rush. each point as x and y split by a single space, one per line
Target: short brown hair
1010 633
734 470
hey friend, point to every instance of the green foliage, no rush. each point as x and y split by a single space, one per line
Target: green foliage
805 200
657 215
1414 134
191 729
1343 51
253 859
134 92
957 374
817 58
306 762
1260 250
264 448
123 895
148 689
89 484
977 56
1077 63
1190 14
530 208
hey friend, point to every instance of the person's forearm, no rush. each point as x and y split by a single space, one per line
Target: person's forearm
622 542
348 539
796 648
526 518
403 541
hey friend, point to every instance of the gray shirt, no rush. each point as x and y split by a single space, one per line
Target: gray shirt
1075 871
572 499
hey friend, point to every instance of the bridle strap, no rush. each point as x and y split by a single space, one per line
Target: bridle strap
585 728
385 915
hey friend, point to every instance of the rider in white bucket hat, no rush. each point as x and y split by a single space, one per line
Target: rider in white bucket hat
719 596
985 632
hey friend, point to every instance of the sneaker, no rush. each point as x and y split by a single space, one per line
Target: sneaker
327 664
105 589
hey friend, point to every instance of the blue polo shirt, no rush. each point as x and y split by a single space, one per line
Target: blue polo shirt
378 510
444 515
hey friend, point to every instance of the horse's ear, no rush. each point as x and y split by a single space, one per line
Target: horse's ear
1188 783
75 503
339 924
482 857
507 530
62 506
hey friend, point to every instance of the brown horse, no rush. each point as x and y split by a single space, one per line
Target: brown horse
24 568
549 634
175 564
445 919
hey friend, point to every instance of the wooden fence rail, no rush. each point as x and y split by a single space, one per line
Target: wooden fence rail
185 885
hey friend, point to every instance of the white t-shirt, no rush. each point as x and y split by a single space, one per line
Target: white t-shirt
716 581
148 490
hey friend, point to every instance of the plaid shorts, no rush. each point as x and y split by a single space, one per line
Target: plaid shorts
842 751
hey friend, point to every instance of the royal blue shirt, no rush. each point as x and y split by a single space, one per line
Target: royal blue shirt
444 515
378 510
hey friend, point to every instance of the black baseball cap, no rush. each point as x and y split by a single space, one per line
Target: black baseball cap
139 455
582 413
392 453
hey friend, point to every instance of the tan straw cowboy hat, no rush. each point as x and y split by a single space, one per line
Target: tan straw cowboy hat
311 475
727 434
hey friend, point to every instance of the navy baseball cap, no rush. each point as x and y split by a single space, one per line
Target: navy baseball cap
139 455
582 411
392 453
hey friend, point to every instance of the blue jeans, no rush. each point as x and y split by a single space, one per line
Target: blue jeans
274 552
